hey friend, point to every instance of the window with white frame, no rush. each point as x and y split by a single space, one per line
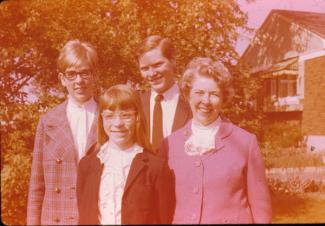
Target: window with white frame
280 87
287 87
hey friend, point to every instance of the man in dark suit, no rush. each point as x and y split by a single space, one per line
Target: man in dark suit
165 108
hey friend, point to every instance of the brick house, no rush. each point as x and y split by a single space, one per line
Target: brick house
288 53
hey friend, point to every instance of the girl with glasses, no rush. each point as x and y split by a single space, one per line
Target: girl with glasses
120 181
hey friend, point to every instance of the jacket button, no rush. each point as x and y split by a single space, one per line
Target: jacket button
186 133
197 163
57 190
195 190
58 161
56 220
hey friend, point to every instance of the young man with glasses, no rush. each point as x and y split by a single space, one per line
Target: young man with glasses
166 110
63 135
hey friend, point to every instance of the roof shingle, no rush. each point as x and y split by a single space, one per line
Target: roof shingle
314 22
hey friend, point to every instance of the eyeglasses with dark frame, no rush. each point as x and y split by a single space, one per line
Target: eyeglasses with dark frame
125 116
72 75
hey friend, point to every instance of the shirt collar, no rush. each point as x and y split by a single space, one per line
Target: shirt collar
168 94
106 148
90 105
202 139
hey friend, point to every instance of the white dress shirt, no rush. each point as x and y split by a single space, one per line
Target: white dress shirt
202 139
117 165
168 106
80 118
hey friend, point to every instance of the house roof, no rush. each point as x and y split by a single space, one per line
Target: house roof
311 21
260 56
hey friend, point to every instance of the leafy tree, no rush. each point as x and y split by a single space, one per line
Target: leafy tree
14 187
32 33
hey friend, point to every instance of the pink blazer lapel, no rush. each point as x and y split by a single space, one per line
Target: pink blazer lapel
58 129
224 131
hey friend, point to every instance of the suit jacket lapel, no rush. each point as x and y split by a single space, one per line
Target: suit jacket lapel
138 163
145 99
58 128
182 114
96 169
92 136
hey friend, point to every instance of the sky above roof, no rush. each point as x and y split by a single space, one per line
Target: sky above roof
257 11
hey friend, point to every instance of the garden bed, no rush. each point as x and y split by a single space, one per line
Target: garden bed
298 194
298 207
292 158
297 180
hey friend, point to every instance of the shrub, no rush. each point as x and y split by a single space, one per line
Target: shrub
295 185
281 135
14 186
290 157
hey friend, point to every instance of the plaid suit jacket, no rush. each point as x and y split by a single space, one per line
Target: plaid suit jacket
52 198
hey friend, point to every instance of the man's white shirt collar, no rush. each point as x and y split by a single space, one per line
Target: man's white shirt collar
169 105
89 105
168 94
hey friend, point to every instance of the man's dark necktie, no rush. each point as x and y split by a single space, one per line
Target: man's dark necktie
157 123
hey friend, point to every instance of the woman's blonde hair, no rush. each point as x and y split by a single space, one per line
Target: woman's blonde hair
204 66
123 98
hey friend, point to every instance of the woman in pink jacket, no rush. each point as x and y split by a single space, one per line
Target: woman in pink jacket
219 171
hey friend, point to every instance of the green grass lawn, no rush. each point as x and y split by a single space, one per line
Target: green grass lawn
298 208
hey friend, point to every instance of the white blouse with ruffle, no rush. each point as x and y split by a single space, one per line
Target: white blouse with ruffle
117 164
202 139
